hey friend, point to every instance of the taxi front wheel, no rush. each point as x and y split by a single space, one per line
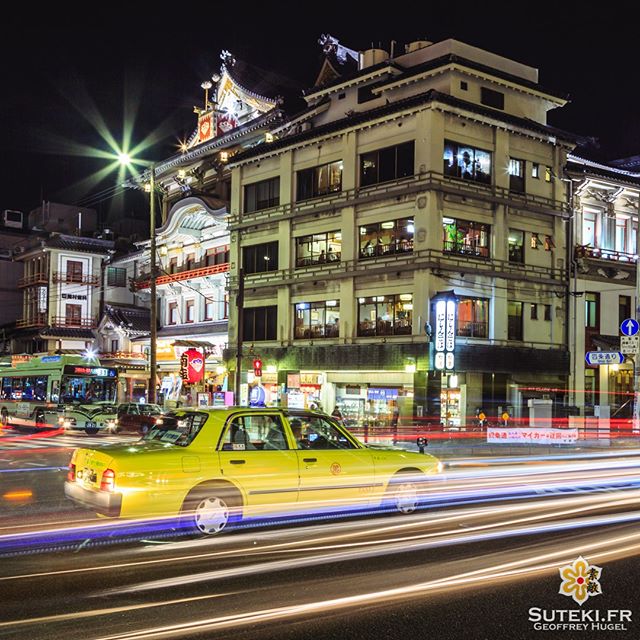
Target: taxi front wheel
210 511
403 493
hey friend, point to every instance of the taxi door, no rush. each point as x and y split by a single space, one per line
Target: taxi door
335 470
255 454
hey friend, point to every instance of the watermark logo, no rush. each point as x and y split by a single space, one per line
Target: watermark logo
580 580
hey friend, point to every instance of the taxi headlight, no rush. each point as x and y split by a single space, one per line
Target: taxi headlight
440 466
159 421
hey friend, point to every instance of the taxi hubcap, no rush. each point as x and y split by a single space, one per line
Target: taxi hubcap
212 514
406 497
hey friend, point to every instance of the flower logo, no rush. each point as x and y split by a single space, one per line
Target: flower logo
580 580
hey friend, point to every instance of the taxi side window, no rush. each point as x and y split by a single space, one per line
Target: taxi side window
314 432
254 432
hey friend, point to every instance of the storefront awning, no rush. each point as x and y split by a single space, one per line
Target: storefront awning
192 343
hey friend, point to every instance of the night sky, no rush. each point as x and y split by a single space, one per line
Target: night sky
69 60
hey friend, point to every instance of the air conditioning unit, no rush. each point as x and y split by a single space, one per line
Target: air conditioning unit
13 219
18 250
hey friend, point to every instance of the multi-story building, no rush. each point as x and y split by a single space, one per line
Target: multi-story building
407 181
606 201
13 234
240 108
61 293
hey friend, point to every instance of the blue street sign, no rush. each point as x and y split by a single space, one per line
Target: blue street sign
596 358
629 327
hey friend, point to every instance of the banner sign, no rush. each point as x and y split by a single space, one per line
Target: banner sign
525 435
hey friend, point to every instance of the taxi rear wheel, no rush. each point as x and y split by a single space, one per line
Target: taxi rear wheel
210 511
403 492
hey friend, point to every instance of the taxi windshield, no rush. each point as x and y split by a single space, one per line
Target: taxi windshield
179 427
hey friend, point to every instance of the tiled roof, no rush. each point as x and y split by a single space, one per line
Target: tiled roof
67 332
133 320
203 328
586 167
406 103
76 243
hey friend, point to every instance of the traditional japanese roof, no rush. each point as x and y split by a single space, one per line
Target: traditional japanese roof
400 105
134 321
577 164
67 332
74 243
204 328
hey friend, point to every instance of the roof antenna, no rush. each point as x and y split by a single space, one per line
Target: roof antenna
393 48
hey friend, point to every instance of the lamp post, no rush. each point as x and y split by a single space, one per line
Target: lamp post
153 319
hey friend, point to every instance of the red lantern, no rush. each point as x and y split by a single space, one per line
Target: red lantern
192 366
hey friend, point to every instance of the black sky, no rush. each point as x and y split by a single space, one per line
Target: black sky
52 59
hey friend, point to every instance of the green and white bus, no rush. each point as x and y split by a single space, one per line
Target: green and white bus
57 391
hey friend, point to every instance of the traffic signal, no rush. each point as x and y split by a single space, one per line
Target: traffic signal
257 367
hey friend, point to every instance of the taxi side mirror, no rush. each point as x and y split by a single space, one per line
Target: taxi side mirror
422 443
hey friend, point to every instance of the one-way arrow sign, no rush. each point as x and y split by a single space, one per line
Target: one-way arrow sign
629 327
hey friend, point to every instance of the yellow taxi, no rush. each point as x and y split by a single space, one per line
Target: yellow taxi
213 468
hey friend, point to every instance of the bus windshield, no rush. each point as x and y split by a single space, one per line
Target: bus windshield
86 390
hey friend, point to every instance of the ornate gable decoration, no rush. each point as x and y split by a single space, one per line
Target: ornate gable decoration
231 105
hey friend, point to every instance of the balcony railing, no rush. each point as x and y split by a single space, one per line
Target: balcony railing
33 279
473 329
78 323
122 355
76 278
390 249
583 251
39 320
186 272
465 249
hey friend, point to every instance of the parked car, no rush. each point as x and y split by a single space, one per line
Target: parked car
212 468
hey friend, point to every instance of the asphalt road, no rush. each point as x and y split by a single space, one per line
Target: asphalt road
486 549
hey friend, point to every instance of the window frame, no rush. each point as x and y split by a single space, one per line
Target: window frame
378 158
323 330
252 203
453 151
377 323
258 255
313 176
475 331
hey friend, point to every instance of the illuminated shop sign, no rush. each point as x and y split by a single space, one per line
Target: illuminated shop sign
99 372
382 394
192 366
446 310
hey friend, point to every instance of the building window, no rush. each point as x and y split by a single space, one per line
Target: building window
535 241
319 181
535 170
534 311
549 243
469 238
262 195
318 248
190 310
316 319
462 161
115 346
624 308
116 277
260 258
589 228
516 175
387 164
217 255
190 261
74 271
172 313
548 173
516 246
621 235
73 315
386 238
547 312
590 387
473 317
173 264
592 310
385 315
260 323
463 85
514 324
209 307
491 98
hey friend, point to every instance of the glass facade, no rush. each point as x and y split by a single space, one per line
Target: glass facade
316 319
386 238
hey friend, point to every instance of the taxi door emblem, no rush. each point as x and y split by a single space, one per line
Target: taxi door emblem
335 469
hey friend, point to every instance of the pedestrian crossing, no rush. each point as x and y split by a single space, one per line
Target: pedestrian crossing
11 440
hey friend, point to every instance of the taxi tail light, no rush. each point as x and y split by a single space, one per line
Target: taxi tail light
71 474
108 481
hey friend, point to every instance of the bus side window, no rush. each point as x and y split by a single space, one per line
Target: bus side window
55 391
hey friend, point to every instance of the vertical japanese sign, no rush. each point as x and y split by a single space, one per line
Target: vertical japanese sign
445 341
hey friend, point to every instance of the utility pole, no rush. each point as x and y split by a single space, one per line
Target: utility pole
239 325
153 329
